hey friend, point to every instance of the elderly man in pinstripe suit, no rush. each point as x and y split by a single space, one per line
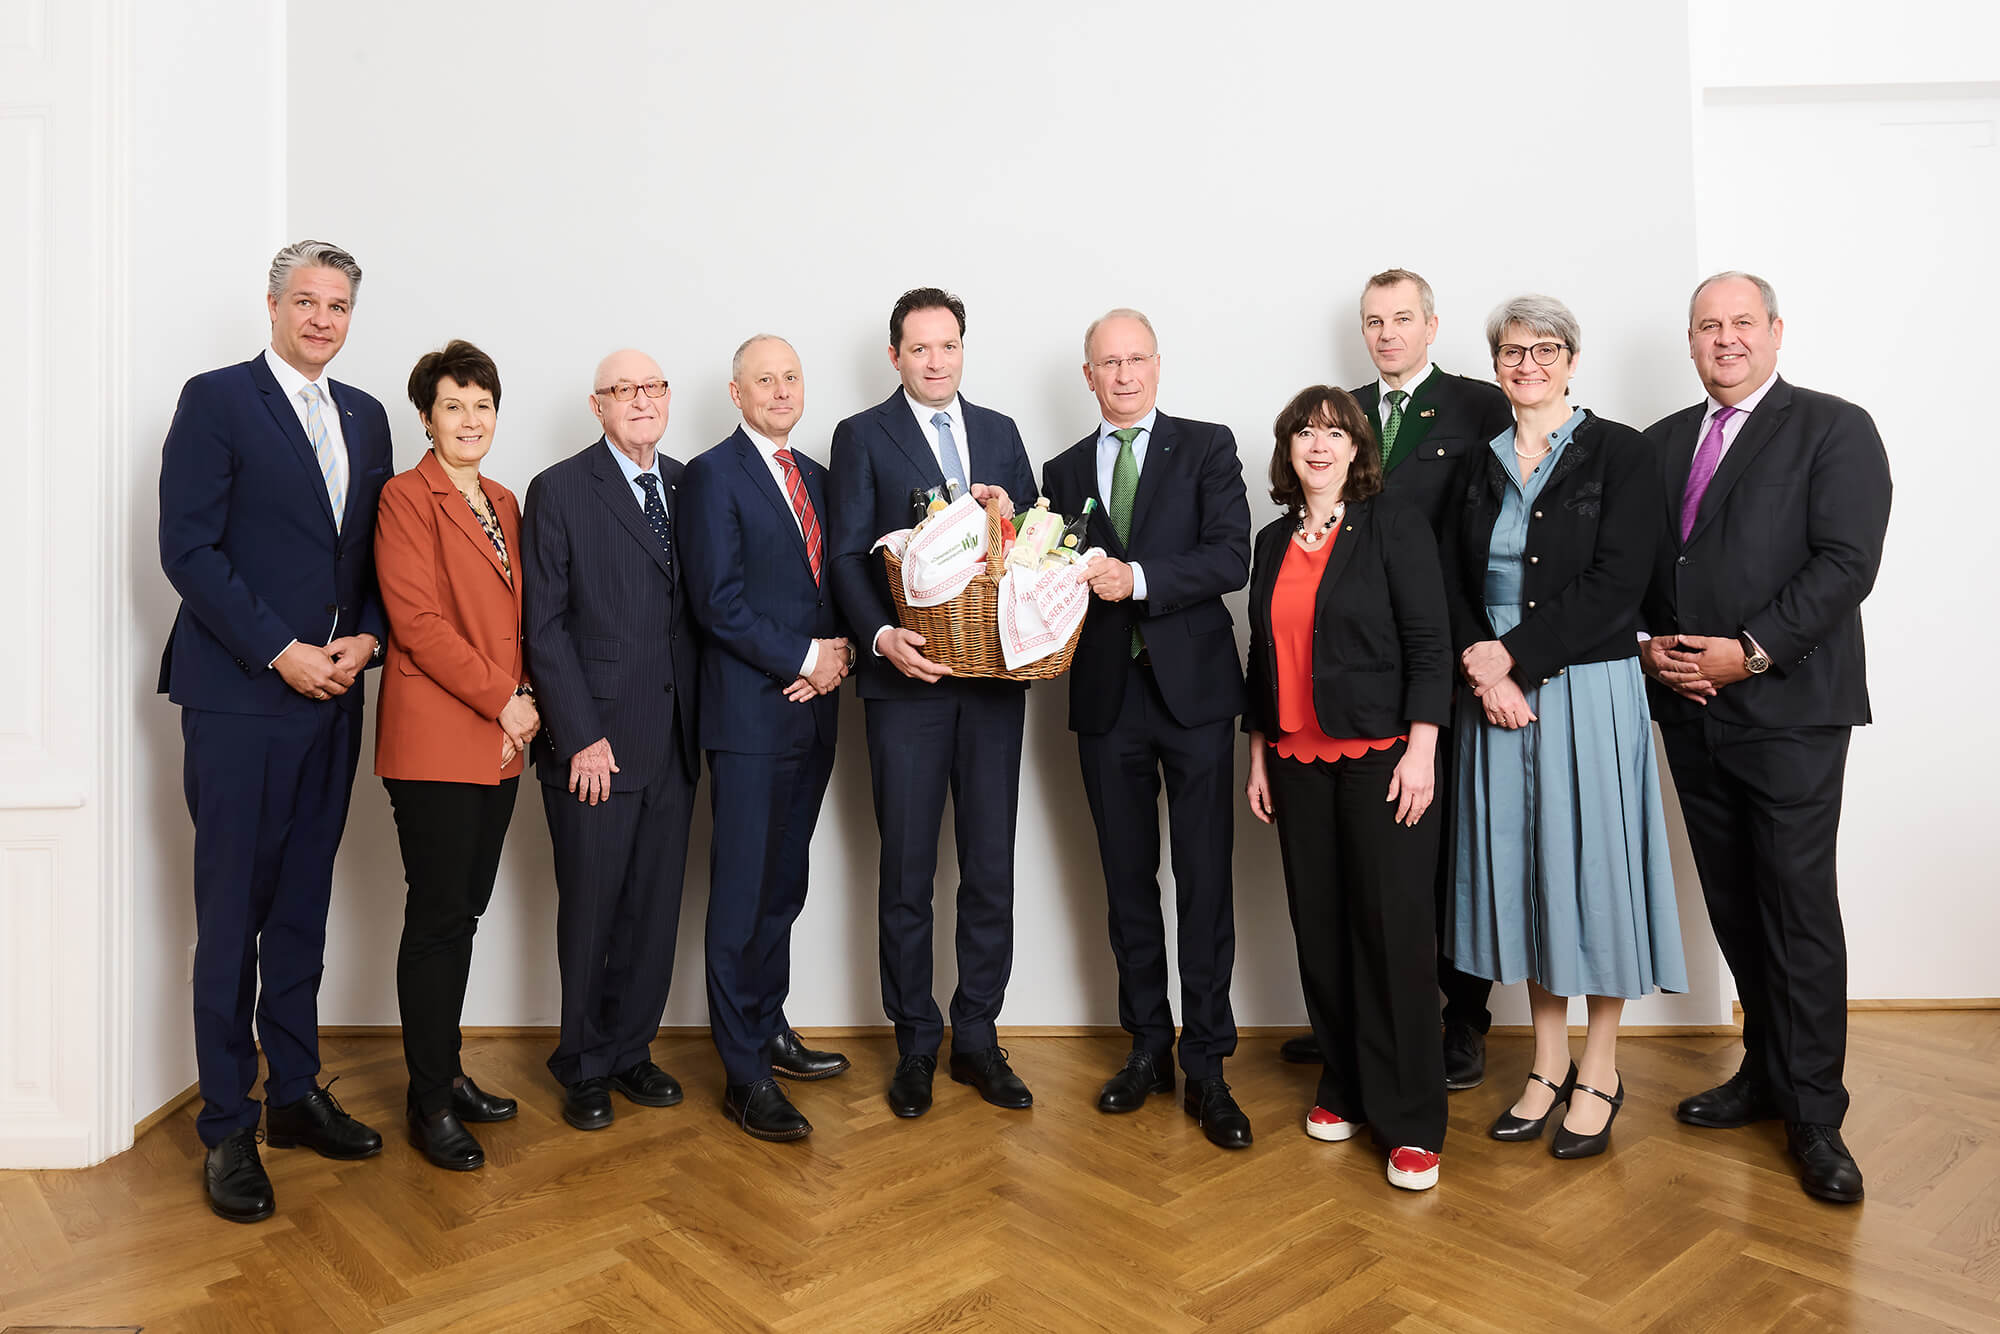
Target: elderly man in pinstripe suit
613 657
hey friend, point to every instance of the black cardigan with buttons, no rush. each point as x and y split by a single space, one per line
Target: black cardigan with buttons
1592 537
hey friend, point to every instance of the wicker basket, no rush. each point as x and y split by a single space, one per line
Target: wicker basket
964 633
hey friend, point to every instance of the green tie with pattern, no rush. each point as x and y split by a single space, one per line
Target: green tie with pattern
1392 426
1125 486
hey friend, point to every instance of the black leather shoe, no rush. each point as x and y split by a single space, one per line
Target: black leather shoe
1126 1091
648 1085
1301 1050
1514 1129
469 1102
587 1104
910 1089
1566 1143
794 1060
1464 1057
1826 1169
443 1138
763 1111
1737 1101
1208 1102
238 1190
317 1122
989 1072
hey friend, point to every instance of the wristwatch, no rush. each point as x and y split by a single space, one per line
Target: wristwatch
1755 660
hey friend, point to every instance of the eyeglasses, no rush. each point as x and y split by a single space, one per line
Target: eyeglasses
1113 365
624 390
1545 354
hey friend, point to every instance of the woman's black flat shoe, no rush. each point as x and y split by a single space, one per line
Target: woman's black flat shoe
1519 1129
1568 1144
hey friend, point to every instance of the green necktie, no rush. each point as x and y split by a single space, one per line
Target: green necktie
1125 486
1392 425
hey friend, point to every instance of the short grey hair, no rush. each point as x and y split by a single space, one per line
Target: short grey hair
1389 278
1118 313
736 357
1543 316
1764 289
313 254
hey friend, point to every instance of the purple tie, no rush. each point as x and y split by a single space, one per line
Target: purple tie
1703 470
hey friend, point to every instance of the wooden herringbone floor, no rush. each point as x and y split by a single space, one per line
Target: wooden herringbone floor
1056 1219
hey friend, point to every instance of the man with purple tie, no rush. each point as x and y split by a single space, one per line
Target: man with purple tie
1777 502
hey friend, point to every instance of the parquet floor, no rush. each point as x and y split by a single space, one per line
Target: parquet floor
1055 1219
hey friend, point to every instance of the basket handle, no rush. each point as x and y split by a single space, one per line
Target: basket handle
993 558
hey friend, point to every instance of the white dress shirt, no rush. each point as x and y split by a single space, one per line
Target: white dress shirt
291 381
1107 464
767 450
1409 386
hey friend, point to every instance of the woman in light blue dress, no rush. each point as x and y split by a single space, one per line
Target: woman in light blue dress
1560 864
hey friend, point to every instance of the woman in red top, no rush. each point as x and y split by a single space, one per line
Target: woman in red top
1350 678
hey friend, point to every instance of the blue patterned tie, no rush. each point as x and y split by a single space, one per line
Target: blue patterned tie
656 513
954 467
332 467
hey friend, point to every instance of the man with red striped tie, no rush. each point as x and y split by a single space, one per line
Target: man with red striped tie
772 661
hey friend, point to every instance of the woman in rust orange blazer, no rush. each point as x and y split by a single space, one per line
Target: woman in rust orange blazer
456 716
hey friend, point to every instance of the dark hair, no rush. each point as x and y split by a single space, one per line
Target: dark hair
923 298
1323 406
459 361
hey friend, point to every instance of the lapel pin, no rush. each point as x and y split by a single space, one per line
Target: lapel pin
1428 412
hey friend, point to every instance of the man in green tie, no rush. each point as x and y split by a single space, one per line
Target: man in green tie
1427 420
1155 690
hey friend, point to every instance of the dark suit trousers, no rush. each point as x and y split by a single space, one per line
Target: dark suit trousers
765 808
451 834
1121 777
1465 994
1359 885
269 799
1763 820
965 738
618 909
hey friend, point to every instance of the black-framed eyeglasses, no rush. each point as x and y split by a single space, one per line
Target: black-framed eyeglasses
1112 365
624 390
1545 354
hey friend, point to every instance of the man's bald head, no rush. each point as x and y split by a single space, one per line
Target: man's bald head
634 424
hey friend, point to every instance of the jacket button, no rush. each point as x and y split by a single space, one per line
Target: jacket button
1538 514
1681 561
1440 453
1531 606
670 687
1545 680
1534 560
332 609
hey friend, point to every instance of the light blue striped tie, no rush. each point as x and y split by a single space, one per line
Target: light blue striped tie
332 466
954 467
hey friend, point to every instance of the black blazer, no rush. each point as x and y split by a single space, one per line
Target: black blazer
610 647
1785 545
879 457
1191 532
1447 417
1381 656
1591 540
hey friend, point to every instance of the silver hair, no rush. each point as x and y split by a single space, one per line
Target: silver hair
1543 316
1119 313
1389 278
1764 290
313 254
736 357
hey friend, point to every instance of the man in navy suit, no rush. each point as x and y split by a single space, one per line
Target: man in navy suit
928 733
771 663
1155 687
268 481
613 656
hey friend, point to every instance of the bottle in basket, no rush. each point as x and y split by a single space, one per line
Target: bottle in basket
1075 539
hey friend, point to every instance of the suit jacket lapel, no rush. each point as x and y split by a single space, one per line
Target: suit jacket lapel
348 427
1337 560
623 502
901 426
1159 457
287 420
1749 442
752 462
1680 448
1415 424
460 515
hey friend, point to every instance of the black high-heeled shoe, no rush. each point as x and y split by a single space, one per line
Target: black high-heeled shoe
1568 1144
1516 1129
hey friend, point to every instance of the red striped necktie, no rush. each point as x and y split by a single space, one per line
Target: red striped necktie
795 491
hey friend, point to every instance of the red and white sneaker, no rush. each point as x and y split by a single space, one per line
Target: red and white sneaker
1413 1169
1322 1124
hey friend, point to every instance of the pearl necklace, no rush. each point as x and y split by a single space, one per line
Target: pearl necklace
1313 538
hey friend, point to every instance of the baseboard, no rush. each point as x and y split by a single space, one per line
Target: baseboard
166 1109
1927 1003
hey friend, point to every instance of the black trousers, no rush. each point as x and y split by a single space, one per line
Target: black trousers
1359 885
269 798
1465 994
619 866
964 737
1763 819
451 834
1121 777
